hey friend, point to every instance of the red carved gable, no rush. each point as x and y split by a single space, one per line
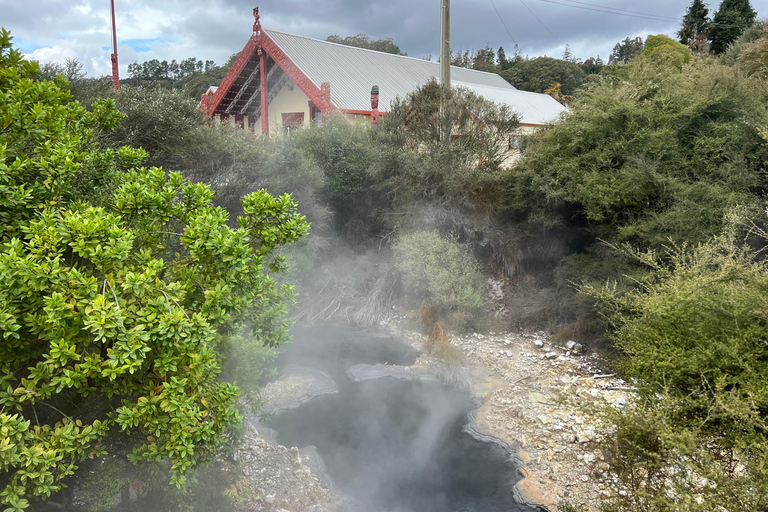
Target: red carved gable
321 96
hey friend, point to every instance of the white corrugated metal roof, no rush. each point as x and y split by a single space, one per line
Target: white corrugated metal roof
534 108
353 71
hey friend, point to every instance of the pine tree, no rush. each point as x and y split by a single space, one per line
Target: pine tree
501 58
731 19
695 23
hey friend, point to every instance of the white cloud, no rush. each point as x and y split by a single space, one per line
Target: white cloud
213 30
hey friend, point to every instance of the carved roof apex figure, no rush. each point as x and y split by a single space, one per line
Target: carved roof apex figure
257 21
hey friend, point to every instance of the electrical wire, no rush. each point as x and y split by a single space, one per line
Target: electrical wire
542 23
502 22
625 13
616 10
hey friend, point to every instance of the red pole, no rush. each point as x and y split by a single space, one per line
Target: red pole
264 94
113 57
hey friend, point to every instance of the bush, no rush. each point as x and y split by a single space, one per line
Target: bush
112 314
440 272
694 335
651 154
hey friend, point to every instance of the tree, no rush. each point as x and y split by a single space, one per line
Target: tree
664 48
537 75
592 66
731 19
363 41
648 154
112 311
501 58
483 60
695 25
626 50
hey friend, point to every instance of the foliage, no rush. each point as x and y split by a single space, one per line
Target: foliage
753 60
537 75
695 336
418 160
756 31
664 48
363 41
626 50
439 271
121 305
648 155
154 69
593 66
481 60
342 150
695 25
732 18
161 121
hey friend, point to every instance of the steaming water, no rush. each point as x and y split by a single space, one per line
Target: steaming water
393 445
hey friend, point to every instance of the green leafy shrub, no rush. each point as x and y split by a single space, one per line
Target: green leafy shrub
440 272
651 154
665 49
694 335
112 315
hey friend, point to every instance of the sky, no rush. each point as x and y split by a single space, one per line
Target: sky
54 30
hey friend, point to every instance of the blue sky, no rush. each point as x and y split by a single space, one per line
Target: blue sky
53 30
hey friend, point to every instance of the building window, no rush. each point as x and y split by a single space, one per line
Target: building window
315 114
514 141
292 121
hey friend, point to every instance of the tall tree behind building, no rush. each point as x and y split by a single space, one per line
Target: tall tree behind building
626 50
695 27
363 41
731 19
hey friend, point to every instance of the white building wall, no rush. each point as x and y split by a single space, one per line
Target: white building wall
289 99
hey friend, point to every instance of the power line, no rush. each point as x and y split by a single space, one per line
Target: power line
502 22
618 13
620 10
542 23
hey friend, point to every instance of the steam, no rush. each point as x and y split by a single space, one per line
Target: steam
392 445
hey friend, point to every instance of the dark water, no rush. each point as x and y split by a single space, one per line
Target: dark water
393 445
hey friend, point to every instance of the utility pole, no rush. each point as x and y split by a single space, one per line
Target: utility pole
445 43
113 57
445 67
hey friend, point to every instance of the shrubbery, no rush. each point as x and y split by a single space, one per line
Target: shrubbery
123 301
694 336
650 154
441 273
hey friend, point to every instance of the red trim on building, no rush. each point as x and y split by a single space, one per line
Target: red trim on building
320 96
305 84
245 55
360 112
264 91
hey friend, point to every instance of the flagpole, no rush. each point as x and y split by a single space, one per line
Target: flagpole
113 57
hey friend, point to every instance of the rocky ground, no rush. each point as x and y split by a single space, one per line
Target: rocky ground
543 401
273 478
539 399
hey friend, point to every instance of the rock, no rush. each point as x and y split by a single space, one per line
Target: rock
528 493
538 343
574 347
620 402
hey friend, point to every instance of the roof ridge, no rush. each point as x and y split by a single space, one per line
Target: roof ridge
376 51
